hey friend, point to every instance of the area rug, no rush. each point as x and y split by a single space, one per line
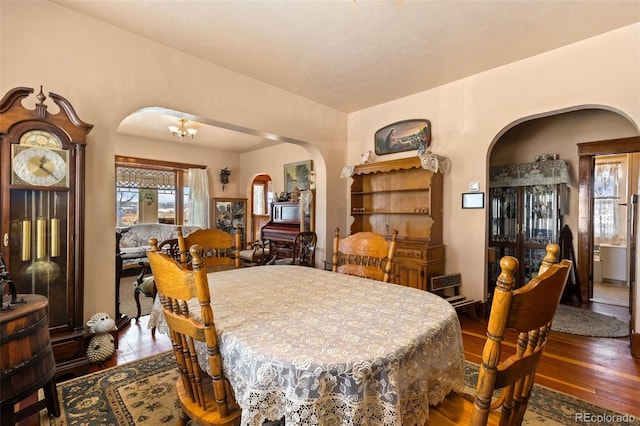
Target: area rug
573 320
137 393
143 393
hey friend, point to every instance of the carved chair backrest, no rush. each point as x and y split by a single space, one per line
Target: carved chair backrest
221 250
365 254
176 286
304 248
529 310
169 247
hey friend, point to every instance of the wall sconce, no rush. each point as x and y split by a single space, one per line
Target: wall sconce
224 176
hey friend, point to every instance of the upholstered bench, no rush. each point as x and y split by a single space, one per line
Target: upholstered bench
134 241
132 244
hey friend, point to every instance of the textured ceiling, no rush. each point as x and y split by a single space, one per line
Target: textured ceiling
350 54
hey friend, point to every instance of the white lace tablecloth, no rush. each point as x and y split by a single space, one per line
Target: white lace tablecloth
321 348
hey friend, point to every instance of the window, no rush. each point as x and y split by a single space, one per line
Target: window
259 198
262 195
149 191
606 188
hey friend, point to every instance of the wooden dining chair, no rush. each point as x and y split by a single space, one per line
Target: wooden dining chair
303 251
304 248
205 399
529 310
221 250
365 254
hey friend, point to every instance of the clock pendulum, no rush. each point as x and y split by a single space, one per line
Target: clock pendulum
55 229
41 233
26 231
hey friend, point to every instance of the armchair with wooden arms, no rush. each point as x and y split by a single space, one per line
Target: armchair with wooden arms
256 252
221 250
529 310
146 286
365 254
303 251
206 399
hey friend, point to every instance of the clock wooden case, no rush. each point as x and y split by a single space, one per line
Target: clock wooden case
43 171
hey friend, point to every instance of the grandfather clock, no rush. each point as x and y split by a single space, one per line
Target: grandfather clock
43 171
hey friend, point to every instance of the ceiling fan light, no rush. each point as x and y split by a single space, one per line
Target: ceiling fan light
174 129
192 132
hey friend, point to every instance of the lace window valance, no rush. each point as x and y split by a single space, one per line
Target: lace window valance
538 173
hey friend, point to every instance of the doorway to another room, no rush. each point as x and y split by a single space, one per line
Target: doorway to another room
262 198
611 188
559 136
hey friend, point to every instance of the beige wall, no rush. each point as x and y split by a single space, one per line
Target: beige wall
470 115
107 73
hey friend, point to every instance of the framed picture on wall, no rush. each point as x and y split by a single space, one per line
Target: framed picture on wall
473 200
402 136
229 213
296 175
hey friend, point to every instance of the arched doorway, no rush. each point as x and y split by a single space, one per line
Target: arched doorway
570 134
260 204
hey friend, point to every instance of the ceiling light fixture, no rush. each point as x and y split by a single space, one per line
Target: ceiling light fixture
182 131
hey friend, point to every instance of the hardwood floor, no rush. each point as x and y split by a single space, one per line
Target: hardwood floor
599 370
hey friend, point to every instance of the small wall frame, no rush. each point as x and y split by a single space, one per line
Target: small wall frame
473 200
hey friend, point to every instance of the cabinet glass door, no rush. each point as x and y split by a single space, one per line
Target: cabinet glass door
524 219
504 215
540 222
530 263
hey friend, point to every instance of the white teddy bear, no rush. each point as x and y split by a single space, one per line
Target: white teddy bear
102 345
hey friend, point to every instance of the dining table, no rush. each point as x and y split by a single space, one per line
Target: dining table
317 347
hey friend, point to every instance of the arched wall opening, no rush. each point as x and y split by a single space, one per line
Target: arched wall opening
563 132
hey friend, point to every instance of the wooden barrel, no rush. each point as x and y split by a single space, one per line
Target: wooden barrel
26 357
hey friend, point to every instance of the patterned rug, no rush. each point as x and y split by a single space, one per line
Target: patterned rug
143 393
573 320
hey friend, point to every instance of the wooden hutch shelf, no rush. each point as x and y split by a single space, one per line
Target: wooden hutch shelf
400 194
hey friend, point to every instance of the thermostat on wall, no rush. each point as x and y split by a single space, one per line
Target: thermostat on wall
474 186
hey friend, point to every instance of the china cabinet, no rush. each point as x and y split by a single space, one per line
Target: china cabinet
525 210
229 215
43 169
401 195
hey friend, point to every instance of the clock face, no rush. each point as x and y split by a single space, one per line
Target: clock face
40 166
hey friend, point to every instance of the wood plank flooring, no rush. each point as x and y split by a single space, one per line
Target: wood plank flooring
599 370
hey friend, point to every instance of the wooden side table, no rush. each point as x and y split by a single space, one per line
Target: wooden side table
26 359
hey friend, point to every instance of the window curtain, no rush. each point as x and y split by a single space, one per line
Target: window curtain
605 203
199 198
